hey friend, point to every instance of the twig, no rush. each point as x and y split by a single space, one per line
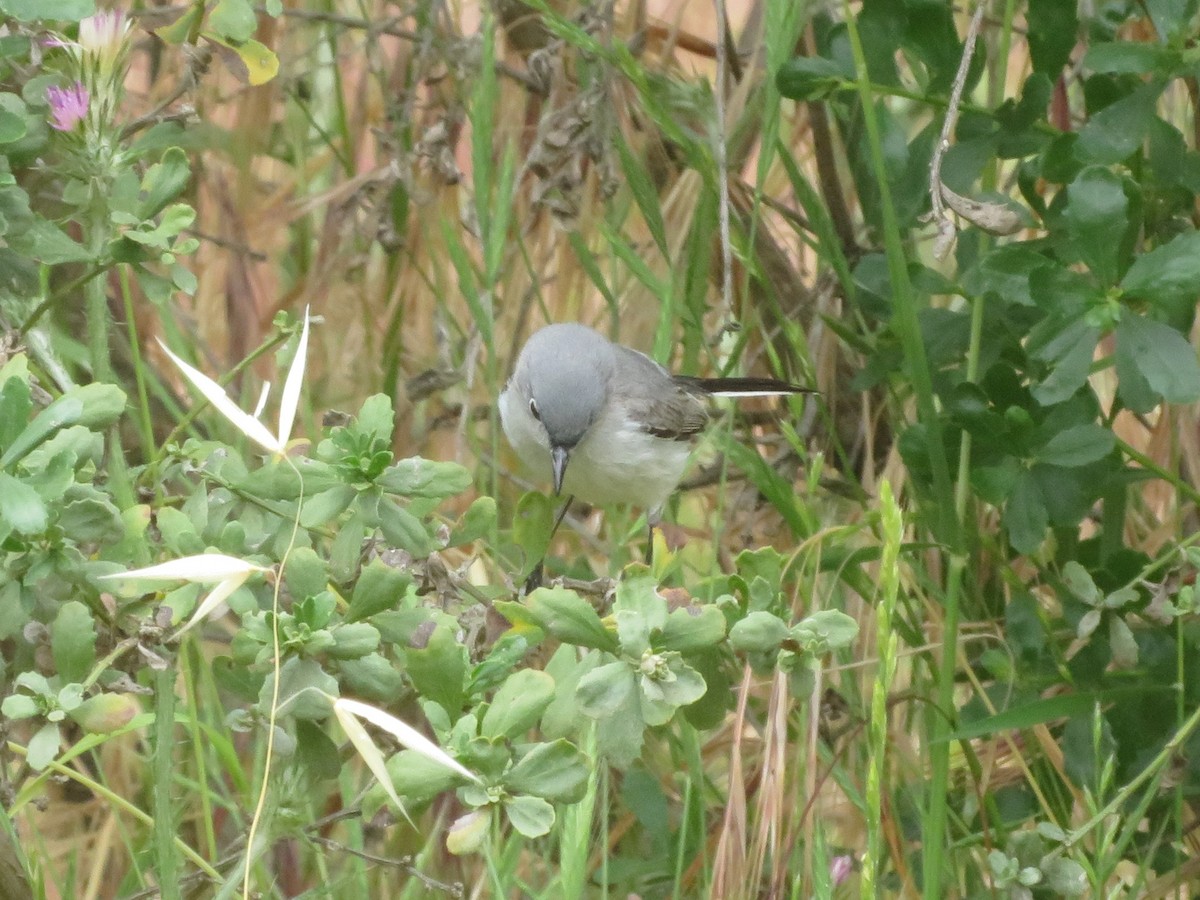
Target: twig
945 224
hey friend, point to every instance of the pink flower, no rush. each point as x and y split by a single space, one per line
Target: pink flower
104 34
68 106
840 868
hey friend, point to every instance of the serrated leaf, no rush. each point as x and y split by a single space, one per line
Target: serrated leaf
21 509
1166 273
1162 356
569 618
1097 215
438 670
1117 131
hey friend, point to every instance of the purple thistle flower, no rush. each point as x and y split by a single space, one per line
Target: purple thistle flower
104 33
68 106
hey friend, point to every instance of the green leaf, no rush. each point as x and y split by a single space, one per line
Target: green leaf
555 771
376 417
306 573
417 778
1064 877
477 522
1097 216
1172 18
21 509
1071 353
1077 446
404 530
1080 583
605 689
1128 58
1117 131
518 704
832 629
13 126
16 404
316 752
93 406
93 519
1168 273
812 78
439 669
1052 33
532 524
73 641
371 677
19 706
569 618
758 632
1161 355
1122 643
233 19
163 182
43 747
62 10
693 628
321 509
662 696
532 817
1038 712
46 242
645 194
303 689
640 595
379 587
354 640
1025 515
416 477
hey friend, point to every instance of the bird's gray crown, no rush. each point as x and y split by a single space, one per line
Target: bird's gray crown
565 369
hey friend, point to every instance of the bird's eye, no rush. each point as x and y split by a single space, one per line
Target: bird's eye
533 410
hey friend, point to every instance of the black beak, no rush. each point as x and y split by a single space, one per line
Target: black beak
559 456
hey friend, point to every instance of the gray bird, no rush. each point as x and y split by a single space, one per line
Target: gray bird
606 423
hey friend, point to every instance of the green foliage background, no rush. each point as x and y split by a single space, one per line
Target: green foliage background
933 634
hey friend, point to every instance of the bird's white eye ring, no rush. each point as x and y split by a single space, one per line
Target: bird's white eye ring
533 410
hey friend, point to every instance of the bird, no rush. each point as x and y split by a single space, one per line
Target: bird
606 423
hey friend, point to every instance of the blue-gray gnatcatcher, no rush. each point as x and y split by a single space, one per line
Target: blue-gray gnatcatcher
606 423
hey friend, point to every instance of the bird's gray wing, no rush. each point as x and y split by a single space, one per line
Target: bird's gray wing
652 397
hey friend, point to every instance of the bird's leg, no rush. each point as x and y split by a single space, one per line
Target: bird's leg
653 520
534 581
